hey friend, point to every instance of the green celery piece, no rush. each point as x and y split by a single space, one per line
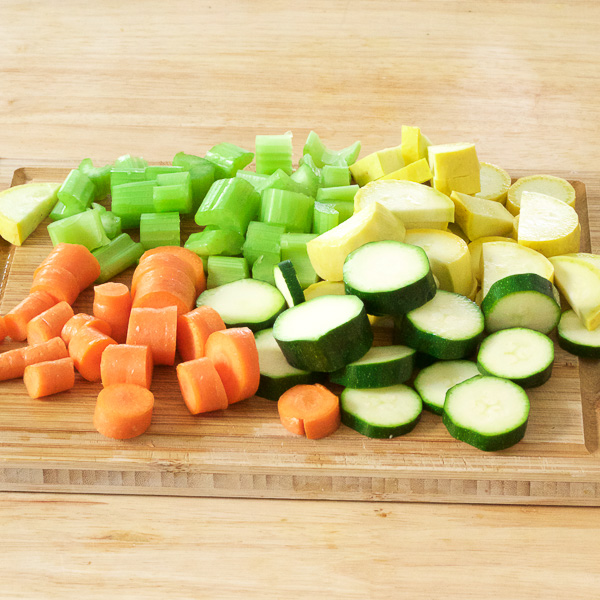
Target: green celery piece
214 241
293 247
173 193
323 156
307 159
274 152
228 159
122 176
256 180
131 200
305 177
344 209
280 180
152 172
262 238
325 217
343 193
84 228
121 253
160 229
99 207
225 269
229 204
99 176
127 161
187 161
292 210
77 191
178 178
346 156
201 171
335 176
315 147
111 224
264 267
60 211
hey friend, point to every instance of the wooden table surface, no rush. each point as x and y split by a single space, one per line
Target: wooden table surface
521 79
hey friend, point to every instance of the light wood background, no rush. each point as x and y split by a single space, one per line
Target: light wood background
100 79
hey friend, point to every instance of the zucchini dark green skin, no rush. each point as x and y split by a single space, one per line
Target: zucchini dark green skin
272 388
578 349
534 380
377 431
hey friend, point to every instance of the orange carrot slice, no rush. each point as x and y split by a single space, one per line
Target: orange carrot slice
164 287
123 411
48 324
75 323
58 283
234 354
74 258
310 410
50 377
193 330
3 333
190 257
157 329
13 362
86 348
33 305
126 364
161 261
112 303
201 386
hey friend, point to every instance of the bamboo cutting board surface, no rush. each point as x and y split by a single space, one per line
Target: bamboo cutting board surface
51 445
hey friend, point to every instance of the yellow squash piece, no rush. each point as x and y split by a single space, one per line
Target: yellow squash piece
325 288
548 225
376 165
410 202
475 251
418 171
501 259
456 230
448 256
494 183
455 167
414 144
443 225
543 184
23 208
593 259
328 252
579 282
480 218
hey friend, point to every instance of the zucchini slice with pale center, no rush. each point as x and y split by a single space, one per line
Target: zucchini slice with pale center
287 283
575 338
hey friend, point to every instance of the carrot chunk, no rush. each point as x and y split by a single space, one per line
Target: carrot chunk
57 282
310 410
16 320
112 303
48 324
165 287
126 364
193 330
3 333
157 329
201 386
123 411
86 348
190 257
161 261
49 377
75 323
13 362
76 259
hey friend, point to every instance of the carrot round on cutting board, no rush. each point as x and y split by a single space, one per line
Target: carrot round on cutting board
16 320
49 324
234 354
86 348
123 411
201 386
75 323
157 329
50 377
190 257
13 362
194 328
57 282
74 258
3 333
161 261
112 304
164 287
125 363
310 410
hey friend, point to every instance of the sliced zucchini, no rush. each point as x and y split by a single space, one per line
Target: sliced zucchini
287 283
487 412
522 300
434 381
276 374
522 355
447 327
324 334
381 366
324 288
385 412
245 303
577 339
390 277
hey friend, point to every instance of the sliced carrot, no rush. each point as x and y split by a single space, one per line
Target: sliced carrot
193 330
157 329
234 354
74 258
13 362
123 411
161 261
112 303
50 377
310 410
165 288
75 323
48 324
58 282
127 364
201 386
33 305
3 333
190 257
86 348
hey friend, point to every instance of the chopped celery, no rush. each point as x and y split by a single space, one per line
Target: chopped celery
348 155
325 217
315 147
60 211
173 193
159 229
254 179
176 178
229 204
117 256
335 176
84 228
280 180
307 159
293 247
263 268
215 241
99 207
274 152
202 173
77 191
343 193
228 159
181 159
130 162
99 176
122 176
110 222
323 156
305 177
262 239
152 172
225 269
131 200
344 209
292 210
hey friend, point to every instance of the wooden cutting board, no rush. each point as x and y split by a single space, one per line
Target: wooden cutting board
51 445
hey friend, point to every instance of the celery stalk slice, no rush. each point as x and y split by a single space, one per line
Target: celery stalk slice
121 253
131 200
343 193
160 229
214 241
292 210
77 191
263 267
325 217
152 172
84 228
225 269
60 211
228 159
262 238
335 176
293 248
127 161
274 152
99 176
